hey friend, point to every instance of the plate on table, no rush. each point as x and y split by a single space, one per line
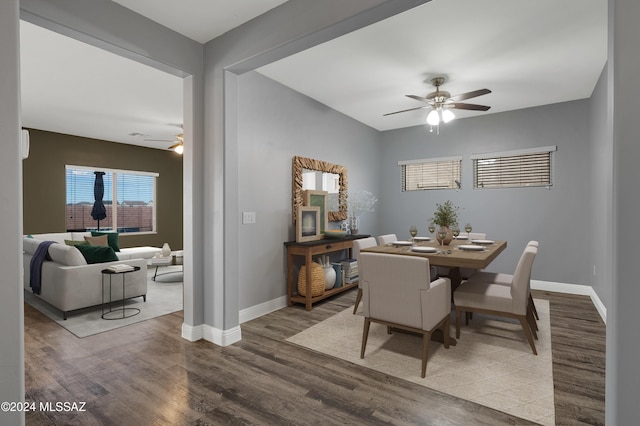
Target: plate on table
422 238
402 243
482 241
470 247
461 237
424 249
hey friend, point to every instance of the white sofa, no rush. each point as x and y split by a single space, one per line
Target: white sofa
69 283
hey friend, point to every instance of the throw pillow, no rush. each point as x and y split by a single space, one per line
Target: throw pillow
112 238
98 241
98 254
76 243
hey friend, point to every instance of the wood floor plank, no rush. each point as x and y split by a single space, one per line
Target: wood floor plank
146 374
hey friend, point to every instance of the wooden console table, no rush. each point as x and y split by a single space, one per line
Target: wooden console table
308 250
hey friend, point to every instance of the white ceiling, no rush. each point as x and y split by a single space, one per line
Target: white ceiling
528 53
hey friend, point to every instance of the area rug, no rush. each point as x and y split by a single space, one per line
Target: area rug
164 296
492 363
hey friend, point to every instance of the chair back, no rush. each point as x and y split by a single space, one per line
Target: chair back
362 243
532 243
521 277
392 287
386 239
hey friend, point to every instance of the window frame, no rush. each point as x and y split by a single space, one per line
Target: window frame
515 180
114 192
454 183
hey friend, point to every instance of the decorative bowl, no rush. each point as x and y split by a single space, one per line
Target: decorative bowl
334 233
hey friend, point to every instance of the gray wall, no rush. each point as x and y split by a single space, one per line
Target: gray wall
557 218
275 124
601 184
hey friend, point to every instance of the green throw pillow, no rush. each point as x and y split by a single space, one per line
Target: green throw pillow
97 254
76 243
112 238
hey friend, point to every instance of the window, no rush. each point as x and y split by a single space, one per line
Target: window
134 194
522 168
433 173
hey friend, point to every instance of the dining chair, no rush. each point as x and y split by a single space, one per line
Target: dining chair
506 279
510 301
398 293
359 244
387 239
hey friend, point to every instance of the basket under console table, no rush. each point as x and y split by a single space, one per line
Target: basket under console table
307 250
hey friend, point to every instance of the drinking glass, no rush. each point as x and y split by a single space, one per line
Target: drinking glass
432 228
442 234
455 231
413 230
468 228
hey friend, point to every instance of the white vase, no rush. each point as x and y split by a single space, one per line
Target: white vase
166 250
329 277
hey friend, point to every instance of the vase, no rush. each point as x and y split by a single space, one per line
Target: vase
329 277
166 250
354 224
447 239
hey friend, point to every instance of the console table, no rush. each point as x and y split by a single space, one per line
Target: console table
308 250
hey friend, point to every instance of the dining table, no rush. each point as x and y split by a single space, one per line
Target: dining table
455 255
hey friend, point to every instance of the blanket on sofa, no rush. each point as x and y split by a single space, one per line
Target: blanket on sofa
35 267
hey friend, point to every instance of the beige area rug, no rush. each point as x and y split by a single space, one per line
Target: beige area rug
164 296
492 364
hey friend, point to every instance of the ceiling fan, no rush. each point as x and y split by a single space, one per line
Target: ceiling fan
178 145
441 102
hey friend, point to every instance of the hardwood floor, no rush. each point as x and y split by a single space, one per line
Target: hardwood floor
146 374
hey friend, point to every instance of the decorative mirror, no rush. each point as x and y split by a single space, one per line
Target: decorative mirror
327 173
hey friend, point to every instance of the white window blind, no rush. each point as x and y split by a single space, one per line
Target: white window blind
524 168
434 173
134 209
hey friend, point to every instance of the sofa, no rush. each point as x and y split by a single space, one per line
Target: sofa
68 282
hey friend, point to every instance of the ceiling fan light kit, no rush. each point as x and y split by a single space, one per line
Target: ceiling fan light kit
441 103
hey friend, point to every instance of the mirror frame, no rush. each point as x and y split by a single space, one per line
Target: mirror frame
300 163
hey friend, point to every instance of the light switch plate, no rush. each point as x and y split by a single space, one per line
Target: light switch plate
248 217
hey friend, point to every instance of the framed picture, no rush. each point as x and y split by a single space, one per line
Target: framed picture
308 224
319 199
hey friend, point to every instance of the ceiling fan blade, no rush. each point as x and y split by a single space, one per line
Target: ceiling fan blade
159 140
405 110
418 98
474 107
469 95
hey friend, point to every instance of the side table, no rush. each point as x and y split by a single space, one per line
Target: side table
119 313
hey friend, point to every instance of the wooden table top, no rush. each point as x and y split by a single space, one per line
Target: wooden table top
457 257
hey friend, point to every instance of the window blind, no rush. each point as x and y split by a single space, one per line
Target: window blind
431 174
509 171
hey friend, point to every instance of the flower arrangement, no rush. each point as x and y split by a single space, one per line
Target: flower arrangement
360 201
446 214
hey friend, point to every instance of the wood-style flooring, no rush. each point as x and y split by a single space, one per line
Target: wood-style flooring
146 374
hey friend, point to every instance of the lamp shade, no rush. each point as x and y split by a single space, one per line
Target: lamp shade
447 115
433 118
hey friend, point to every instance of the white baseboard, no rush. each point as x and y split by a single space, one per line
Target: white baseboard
257 311
212 334
583 290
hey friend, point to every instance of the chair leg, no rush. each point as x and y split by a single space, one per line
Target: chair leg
358 298
527 331
458 315
426 339
446 331
533 307
365 336
532 323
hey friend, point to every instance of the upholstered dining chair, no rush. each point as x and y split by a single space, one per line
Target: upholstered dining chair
387 239
359 244
510 301
507 279
397 292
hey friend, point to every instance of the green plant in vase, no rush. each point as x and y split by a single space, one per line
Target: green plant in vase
446 214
